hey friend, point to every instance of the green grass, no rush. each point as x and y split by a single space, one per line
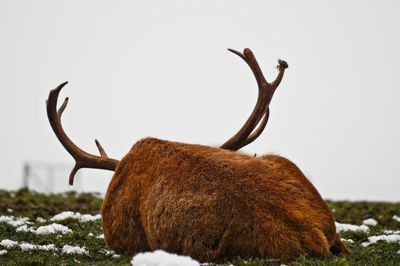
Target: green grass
25 203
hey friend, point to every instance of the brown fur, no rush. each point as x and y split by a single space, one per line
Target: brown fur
214 205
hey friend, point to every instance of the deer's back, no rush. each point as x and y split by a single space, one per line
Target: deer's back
196 200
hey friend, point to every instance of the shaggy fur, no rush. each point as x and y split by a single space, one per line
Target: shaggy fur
214 205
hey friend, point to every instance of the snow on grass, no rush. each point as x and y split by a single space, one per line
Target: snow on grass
370 222
8 243
351 227
25 228
41 220
390 232
47 247
386 238
26 246
52 229
100 236
397 218
75 215
6 219
111 252
74 250
22 225
63 216
2 252
347 240
88 218
16 222
162 258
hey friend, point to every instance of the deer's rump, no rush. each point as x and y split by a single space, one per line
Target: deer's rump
214 204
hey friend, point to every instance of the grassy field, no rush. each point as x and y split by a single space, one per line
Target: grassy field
86 236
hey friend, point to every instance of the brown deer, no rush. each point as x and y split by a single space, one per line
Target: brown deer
213 204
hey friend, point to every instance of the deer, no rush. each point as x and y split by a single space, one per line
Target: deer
213 204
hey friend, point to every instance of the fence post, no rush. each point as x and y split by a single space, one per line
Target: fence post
25 178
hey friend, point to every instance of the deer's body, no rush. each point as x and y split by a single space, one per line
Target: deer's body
214 204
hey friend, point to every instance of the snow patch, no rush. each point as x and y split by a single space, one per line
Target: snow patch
347 240
88 218
6 219
22 225
52 229
386 238
109 252
2 252
83 218
74 250
370 222
63 216
100 236
351 227
162 258
390 232
25 228
27 246
397 218
47 247
8 243
40 220
16 222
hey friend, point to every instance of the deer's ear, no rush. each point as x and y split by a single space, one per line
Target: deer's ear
248 133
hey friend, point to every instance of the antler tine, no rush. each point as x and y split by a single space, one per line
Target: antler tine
101 150
265 93
281 67
82 158
62 108
237 53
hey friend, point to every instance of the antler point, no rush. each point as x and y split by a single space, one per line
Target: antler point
236 52
282 64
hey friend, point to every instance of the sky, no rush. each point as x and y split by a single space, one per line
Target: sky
161 69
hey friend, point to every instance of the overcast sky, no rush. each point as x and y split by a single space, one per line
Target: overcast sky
161 69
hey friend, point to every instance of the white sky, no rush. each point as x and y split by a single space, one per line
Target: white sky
161 69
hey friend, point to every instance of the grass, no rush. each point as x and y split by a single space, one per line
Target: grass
24 203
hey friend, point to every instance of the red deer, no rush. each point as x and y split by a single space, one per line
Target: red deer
213 204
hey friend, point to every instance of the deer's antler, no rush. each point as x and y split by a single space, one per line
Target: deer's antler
82 158
265 92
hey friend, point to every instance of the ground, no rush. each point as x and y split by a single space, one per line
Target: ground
36 229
